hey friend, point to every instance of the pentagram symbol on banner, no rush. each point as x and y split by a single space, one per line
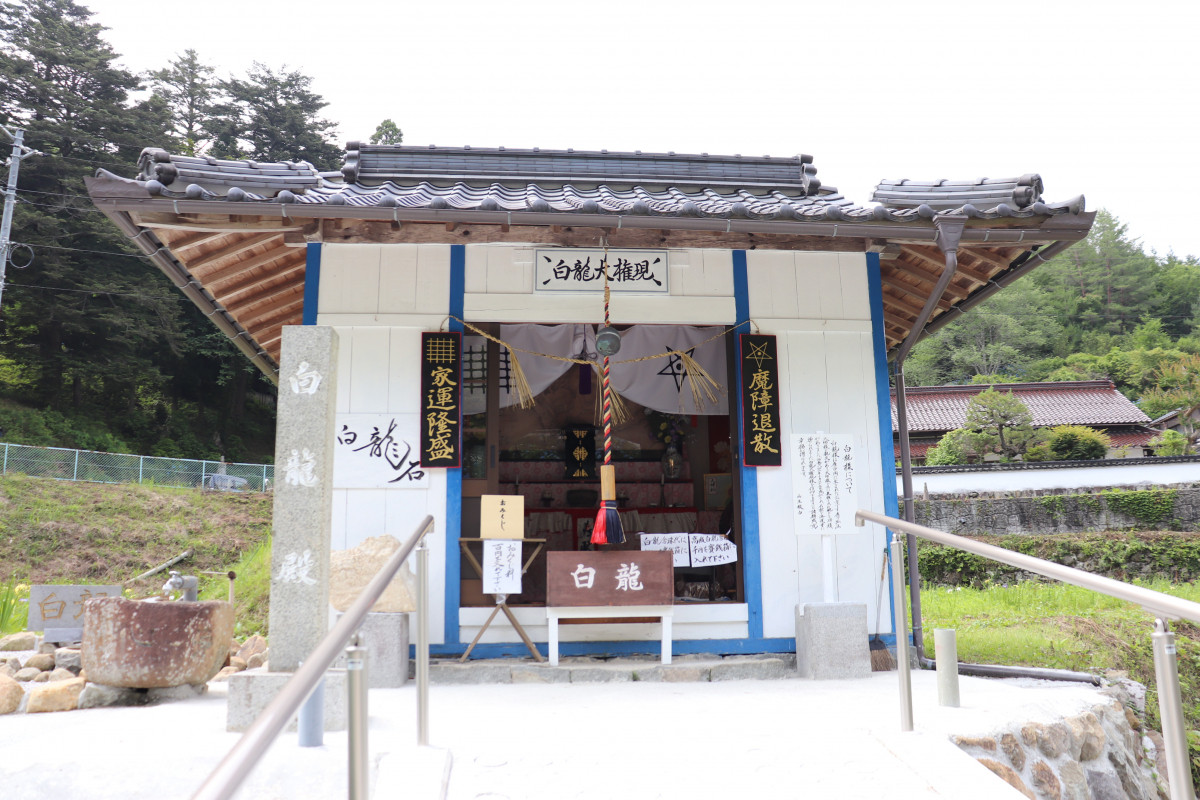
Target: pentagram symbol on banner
675 368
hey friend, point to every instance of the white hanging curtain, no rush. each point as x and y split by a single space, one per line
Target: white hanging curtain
566 341
662 383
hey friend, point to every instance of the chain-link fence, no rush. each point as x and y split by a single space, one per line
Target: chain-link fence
90 465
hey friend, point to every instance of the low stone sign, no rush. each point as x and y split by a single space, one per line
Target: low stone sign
57 610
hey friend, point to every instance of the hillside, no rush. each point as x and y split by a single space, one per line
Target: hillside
59 531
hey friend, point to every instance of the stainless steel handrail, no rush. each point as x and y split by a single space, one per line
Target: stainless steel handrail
244 756
1164 606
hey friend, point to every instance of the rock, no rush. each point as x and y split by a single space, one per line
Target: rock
255 644
57 696
11 693
237 663
1045 782
60 674
1074 784
41 677
25 640
224 673
47 648
173 693
1006 773
42 661
97 695
256 660
1087 736
27 674
981 742
351 570
1132 720
1012 748
69 658
1052 740
1104 786
155 645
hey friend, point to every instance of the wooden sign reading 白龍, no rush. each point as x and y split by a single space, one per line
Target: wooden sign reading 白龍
610 578
441 399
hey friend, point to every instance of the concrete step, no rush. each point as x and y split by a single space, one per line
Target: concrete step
583 669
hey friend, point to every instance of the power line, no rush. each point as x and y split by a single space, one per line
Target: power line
82 250
91 291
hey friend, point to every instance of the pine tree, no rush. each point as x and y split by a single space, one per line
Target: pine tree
272 116
189 91
387 132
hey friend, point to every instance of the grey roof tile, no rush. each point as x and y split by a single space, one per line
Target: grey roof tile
555 181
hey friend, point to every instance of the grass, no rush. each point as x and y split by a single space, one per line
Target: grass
1059 626
251 592
13 613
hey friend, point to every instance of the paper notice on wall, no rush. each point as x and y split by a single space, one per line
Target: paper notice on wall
502 566
677 543
709 549
824 482
502 516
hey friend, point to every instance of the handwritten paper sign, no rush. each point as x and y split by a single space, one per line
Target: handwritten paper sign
709 549
677 543
823 483
582 270
693 549
502 566
378 451
502 516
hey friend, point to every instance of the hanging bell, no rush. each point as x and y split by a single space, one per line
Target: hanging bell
608 341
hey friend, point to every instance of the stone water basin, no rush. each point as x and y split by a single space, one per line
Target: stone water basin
155 645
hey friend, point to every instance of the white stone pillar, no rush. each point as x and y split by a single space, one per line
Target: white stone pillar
304 442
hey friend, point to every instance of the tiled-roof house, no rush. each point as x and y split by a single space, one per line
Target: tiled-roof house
507 244
936 410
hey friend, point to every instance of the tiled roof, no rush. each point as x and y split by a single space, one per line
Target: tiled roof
1133 436
568 181
944 408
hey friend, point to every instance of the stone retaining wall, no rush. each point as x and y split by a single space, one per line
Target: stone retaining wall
1048 512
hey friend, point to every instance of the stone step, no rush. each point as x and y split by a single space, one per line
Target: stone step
684 668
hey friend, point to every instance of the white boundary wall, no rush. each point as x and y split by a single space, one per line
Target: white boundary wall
380 298
1017 480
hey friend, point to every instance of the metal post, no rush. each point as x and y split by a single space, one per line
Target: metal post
310 722
356 687
75 471
263 485
422 652
141 462
945 649
1170 709
6 458
906 708
10 199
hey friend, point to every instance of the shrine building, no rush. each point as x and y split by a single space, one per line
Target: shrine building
751 315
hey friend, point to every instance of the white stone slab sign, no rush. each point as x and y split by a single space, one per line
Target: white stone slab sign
582 270
677 543
709 549
378 451
502 566
60 607
824 483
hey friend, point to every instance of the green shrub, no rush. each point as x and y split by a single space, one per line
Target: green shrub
1170 443
1078 443
952 448
1151 506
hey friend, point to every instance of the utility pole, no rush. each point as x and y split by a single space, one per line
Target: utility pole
19 152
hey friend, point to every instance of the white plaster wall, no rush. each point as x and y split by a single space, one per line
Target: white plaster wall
380 299
817 305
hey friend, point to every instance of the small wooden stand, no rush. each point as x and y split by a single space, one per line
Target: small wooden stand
501 599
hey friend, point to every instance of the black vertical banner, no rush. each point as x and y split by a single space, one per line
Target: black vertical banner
441 399
580 452
761 437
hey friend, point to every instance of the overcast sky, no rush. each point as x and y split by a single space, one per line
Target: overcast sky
1098 97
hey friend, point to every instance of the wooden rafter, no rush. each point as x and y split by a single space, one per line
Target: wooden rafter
291 288
288 272
222 274
920 273
228 251
195 239
934 257
262 316
911 291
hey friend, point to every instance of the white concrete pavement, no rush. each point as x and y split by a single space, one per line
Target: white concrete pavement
743 738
